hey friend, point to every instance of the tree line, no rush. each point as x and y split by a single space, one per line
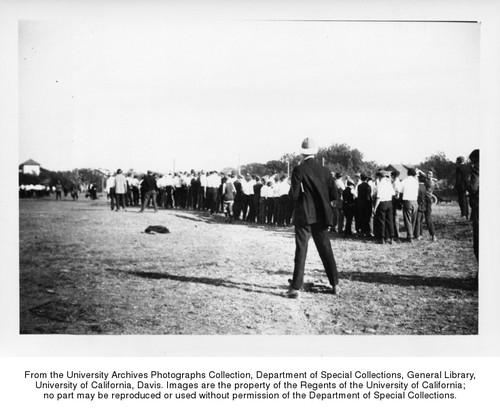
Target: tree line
337 158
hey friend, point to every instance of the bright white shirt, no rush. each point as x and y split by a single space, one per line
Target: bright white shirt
384 190
284 188
409 188
276 189
214 181
161 182
110 183
203 180
266 191
169 180
176 181
247 187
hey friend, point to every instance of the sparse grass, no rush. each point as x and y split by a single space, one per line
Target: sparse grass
87 270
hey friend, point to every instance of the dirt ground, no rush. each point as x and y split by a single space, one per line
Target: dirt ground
87 270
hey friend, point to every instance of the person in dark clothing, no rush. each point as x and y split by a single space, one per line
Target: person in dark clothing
424 201
365 205
149 187
461 182
348 207
473 189
313 189
238 198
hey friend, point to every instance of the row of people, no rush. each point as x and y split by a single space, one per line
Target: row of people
362 202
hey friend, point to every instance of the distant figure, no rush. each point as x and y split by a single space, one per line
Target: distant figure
313 190
348 207
409 189
365 206
93 191
473 189
382 210
58 190
110 190
120 190
461 183
74 192
338 215
228 192
149 187
424 200
397 202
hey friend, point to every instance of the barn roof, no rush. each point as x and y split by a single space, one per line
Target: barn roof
403 169
30 162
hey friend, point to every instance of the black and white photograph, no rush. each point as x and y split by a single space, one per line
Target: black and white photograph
250 192
172 173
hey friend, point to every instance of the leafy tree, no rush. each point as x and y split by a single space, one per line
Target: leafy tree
341 158
443 168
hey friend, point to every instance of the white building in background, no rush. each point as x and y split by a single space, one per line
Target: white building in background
30 167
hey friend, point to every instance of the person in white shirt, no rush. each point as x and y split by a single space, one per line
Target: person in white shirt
202 191
284 215
396 201
383 220
409 191
110 190
248 198
276 199
213 184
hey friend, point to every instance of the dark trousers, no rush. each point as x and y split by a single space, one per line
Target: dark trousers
169 203
322 242
112 197
149 195
419 225
463 203
251 208
262 210
383 219
349 216
364 216
201 201
135 195
270 210
212 199
475 230
238 206
395 219
120 200
410 209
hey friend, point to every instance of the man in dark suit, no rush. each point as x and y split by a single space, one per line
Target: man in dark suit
312 189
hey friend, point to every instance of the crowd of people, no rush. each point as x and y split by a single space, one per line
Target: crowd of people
363 206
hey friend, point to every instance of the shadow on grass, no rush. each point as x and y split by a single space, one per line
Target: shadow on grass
247 287
203 216
411 280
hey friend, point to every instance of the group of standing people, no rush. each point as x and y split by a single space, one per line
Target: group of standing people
313 199
374 207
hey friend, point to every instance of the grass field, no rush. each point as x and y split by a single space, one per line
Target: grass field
87 270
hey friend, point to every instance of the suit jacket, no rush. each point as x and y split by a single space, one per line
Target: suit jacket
364 193
312 188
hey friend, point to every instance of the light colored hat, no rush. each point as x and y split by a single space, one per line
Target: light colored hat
308 147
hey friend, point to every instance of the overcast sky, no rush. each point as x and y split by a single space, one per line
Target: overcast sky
212 93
